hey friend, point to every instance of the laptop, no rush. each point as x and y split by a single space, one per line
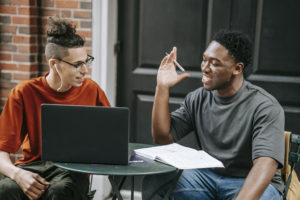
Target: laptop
85 134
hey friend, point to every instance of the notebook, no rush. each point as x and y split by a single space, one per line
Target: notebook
85 134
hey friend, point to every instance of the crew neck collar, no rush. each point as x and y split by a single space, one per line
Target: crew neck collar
230 99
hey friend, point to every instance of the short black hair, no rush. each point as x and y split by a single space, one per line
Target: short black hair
237 43
61 35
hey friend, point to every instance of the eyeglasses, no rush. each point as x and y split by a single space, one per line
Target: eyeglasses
79 64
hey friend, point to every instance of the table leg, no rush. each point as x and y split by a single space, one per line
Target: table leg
115 188
119 186
172 185
132 187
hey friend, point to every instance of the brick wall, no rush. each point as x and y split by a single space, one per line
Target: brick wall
22 37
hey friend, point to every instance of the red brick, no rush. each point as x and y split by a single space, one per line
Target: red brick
27 11
5 76
8 47
28 30
66 4
4 92
5 84
5 2
6 38
23 58
28 68
27 49
86 5
17 76
5 19
8 10
24 20
8 66
48 12
48 3
5 56
75 23
8 29
23 2
82 14
66 13
24 39
85 24
86 34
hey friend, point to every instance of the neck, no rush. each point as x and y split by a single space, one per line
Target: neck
54 81
231 87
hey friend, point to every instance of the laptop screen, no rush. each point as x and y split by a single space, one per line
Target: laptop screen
85 134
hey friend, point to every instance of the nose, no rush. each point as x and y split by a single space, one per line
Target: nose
83 68
205 67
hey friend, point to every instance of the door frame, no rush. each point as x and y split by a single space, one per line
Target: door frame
104 38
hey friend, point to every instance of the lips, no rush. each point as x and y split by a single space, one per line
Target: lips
205 79
79 78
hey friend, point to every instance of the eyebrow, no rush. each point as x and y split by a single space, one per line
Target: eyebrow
213 58
80 61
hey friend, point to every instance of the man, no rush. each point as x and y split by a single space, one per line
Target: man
236 122
20 123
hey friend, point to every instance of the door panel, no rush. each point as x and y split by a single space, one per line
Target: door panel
148 29
164 24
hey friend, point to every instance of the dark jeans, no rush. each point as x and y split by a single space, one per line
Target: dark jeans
64 184
201 184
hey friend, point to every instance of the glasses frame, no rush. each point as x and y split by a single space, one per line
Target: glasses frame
86 62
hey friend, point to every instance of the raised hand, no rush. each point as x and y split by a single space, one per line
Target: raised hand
32 184
167 76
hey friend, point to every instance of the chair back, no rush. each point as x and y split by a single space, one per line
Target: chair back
292 184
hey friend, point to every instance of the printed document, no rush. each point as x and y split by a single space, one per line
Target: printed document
180 156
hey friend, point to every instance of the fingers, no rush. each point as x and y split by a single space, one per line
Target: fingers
34 193
35 186
164 61
173 54
183 76
42 181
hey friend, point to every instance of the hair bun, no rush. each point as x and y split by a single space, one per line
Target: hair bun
60 28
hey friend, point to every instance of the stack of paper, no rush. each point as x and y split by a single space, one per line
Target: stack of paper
180 156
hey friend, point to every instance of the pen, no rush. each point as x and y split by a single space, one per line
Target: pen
177 64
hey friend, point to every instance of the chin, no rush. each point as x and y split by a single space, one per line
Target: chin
77 85
209 88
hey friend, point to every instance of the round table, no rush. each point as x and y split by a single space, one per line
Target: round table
136 166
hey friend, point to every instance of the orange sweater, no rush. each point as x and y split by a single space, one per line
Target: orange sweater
20 121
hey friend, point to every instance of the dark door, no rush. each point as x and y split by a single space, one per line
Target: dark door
148 29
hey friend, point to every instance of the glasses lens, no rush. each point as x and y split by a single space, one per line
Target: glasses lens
89 60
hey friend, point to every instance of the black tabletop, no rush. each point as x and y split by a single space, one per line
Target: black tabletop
137 166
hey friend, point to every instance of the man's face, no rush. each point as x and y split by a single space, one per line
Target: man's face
70 75
217 67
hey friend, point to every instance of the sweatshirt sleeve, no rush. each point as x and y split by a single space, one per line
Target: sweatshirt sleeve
12 128
102 99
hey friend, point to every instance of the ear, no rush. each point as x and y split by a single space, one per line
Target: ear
238 68
51 63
